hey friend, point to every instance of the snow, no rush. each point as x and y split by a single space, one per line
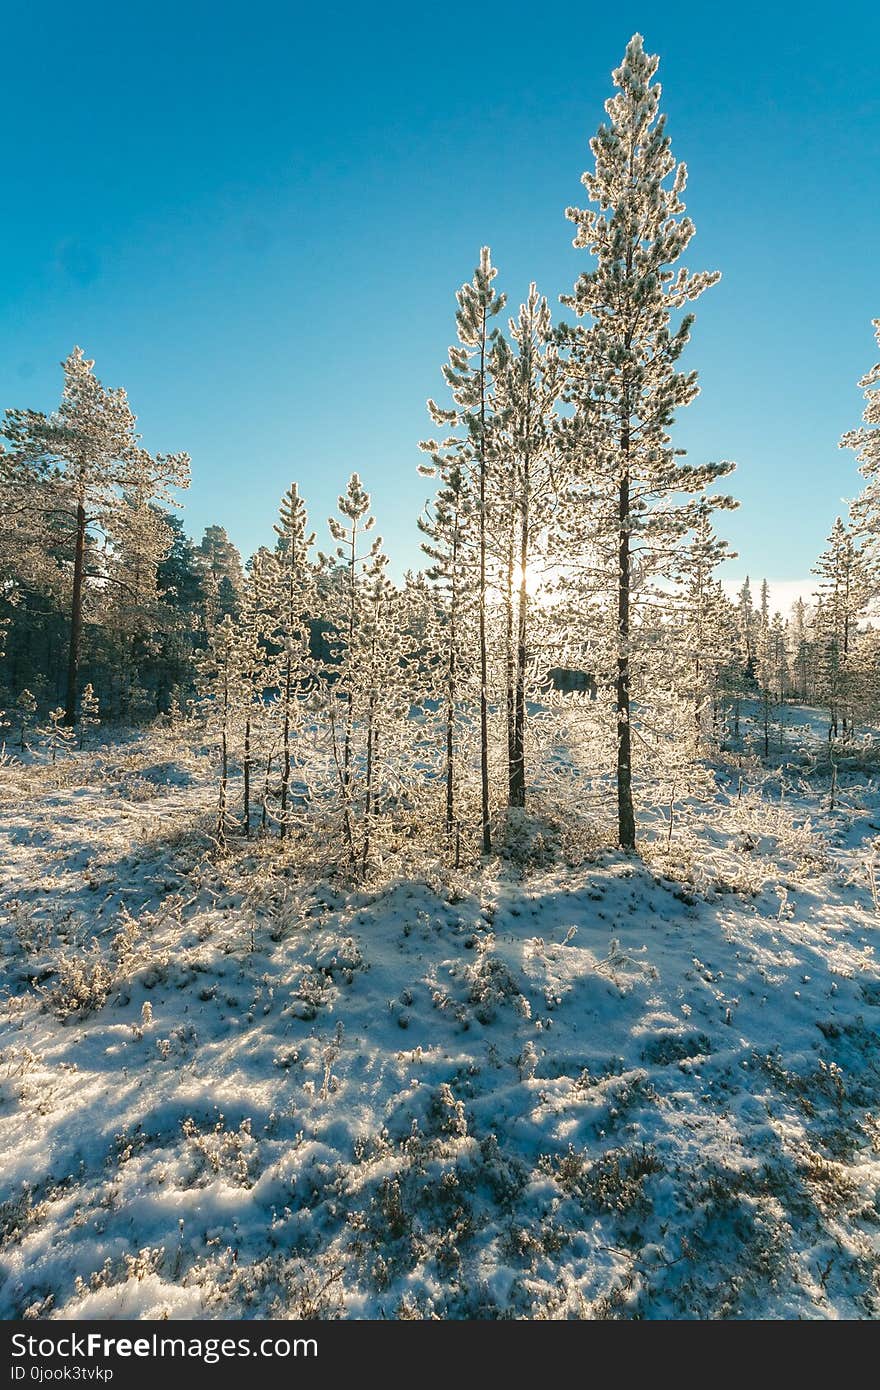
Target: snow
602 1087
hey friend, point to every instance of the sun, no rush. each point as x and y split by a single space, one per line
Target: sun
535 578
539 578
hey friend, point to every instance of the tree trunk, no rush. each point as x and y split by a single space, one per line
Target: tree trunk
484 674
451 674
285 775
626 822
518 761
76 605
264 818
224 761
510 664
368 799
247 777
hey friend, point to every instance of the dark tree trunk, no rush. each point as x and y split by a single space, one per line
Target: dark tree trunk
510 668
518 760
626 822
368 799
247 777
76 606
486 829
451 676
285 775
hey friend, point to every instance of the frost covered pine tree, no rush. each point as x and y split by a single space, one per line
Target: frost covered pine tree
865 440
799 648
764 664
705 628
220 567
623 375
447 526
89 714
468 378
343 674
378 641
842 596
290 600
253 627
219 669
527 376
59 736
746 622
79 463
26 709
139 539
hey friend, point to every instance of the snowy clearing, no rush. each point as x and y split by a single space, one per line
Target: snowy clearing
611 1088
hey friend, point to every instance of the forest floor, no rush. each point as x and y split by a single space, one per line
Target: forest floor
606 1088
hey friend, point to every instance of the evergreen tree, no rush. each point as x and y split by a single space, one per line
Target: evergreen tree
222 574
58 735
527 386
220 668
706 635
343 675
866 443
800 648
764 664
468 378
447 527
842 595
747 621
289 601
89 714
26 708
84 460
623 371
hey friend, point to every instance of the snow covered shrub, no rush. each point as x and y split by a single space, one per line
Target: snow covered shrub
447 1113
20 1214
490 986
665 1048
613 1183
16 1064
530 842
32 932
231 1153
139 1266
138 789
82 987
276 1286
340 960
313 991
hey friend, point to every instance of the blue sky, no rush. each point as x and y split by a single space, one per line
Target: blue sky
256 222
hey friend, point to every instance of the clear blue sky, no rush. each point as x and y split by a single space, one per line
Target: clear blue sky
255 218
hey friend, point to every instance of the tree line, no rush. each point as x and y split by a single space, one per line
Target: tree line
566 533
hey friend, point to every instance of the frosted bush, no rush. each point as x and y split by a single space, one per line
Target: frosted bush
82 987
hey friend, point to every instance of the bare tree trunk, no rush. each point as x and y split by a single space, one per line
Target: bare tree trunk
349 697
510 662
451 678
368 799
285 775
484 674
247 777
766 723
518 760
626 822
224 762
76 606
264 819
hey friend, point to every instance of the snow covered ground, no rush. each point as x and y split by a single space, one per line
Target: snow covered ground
594 1088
